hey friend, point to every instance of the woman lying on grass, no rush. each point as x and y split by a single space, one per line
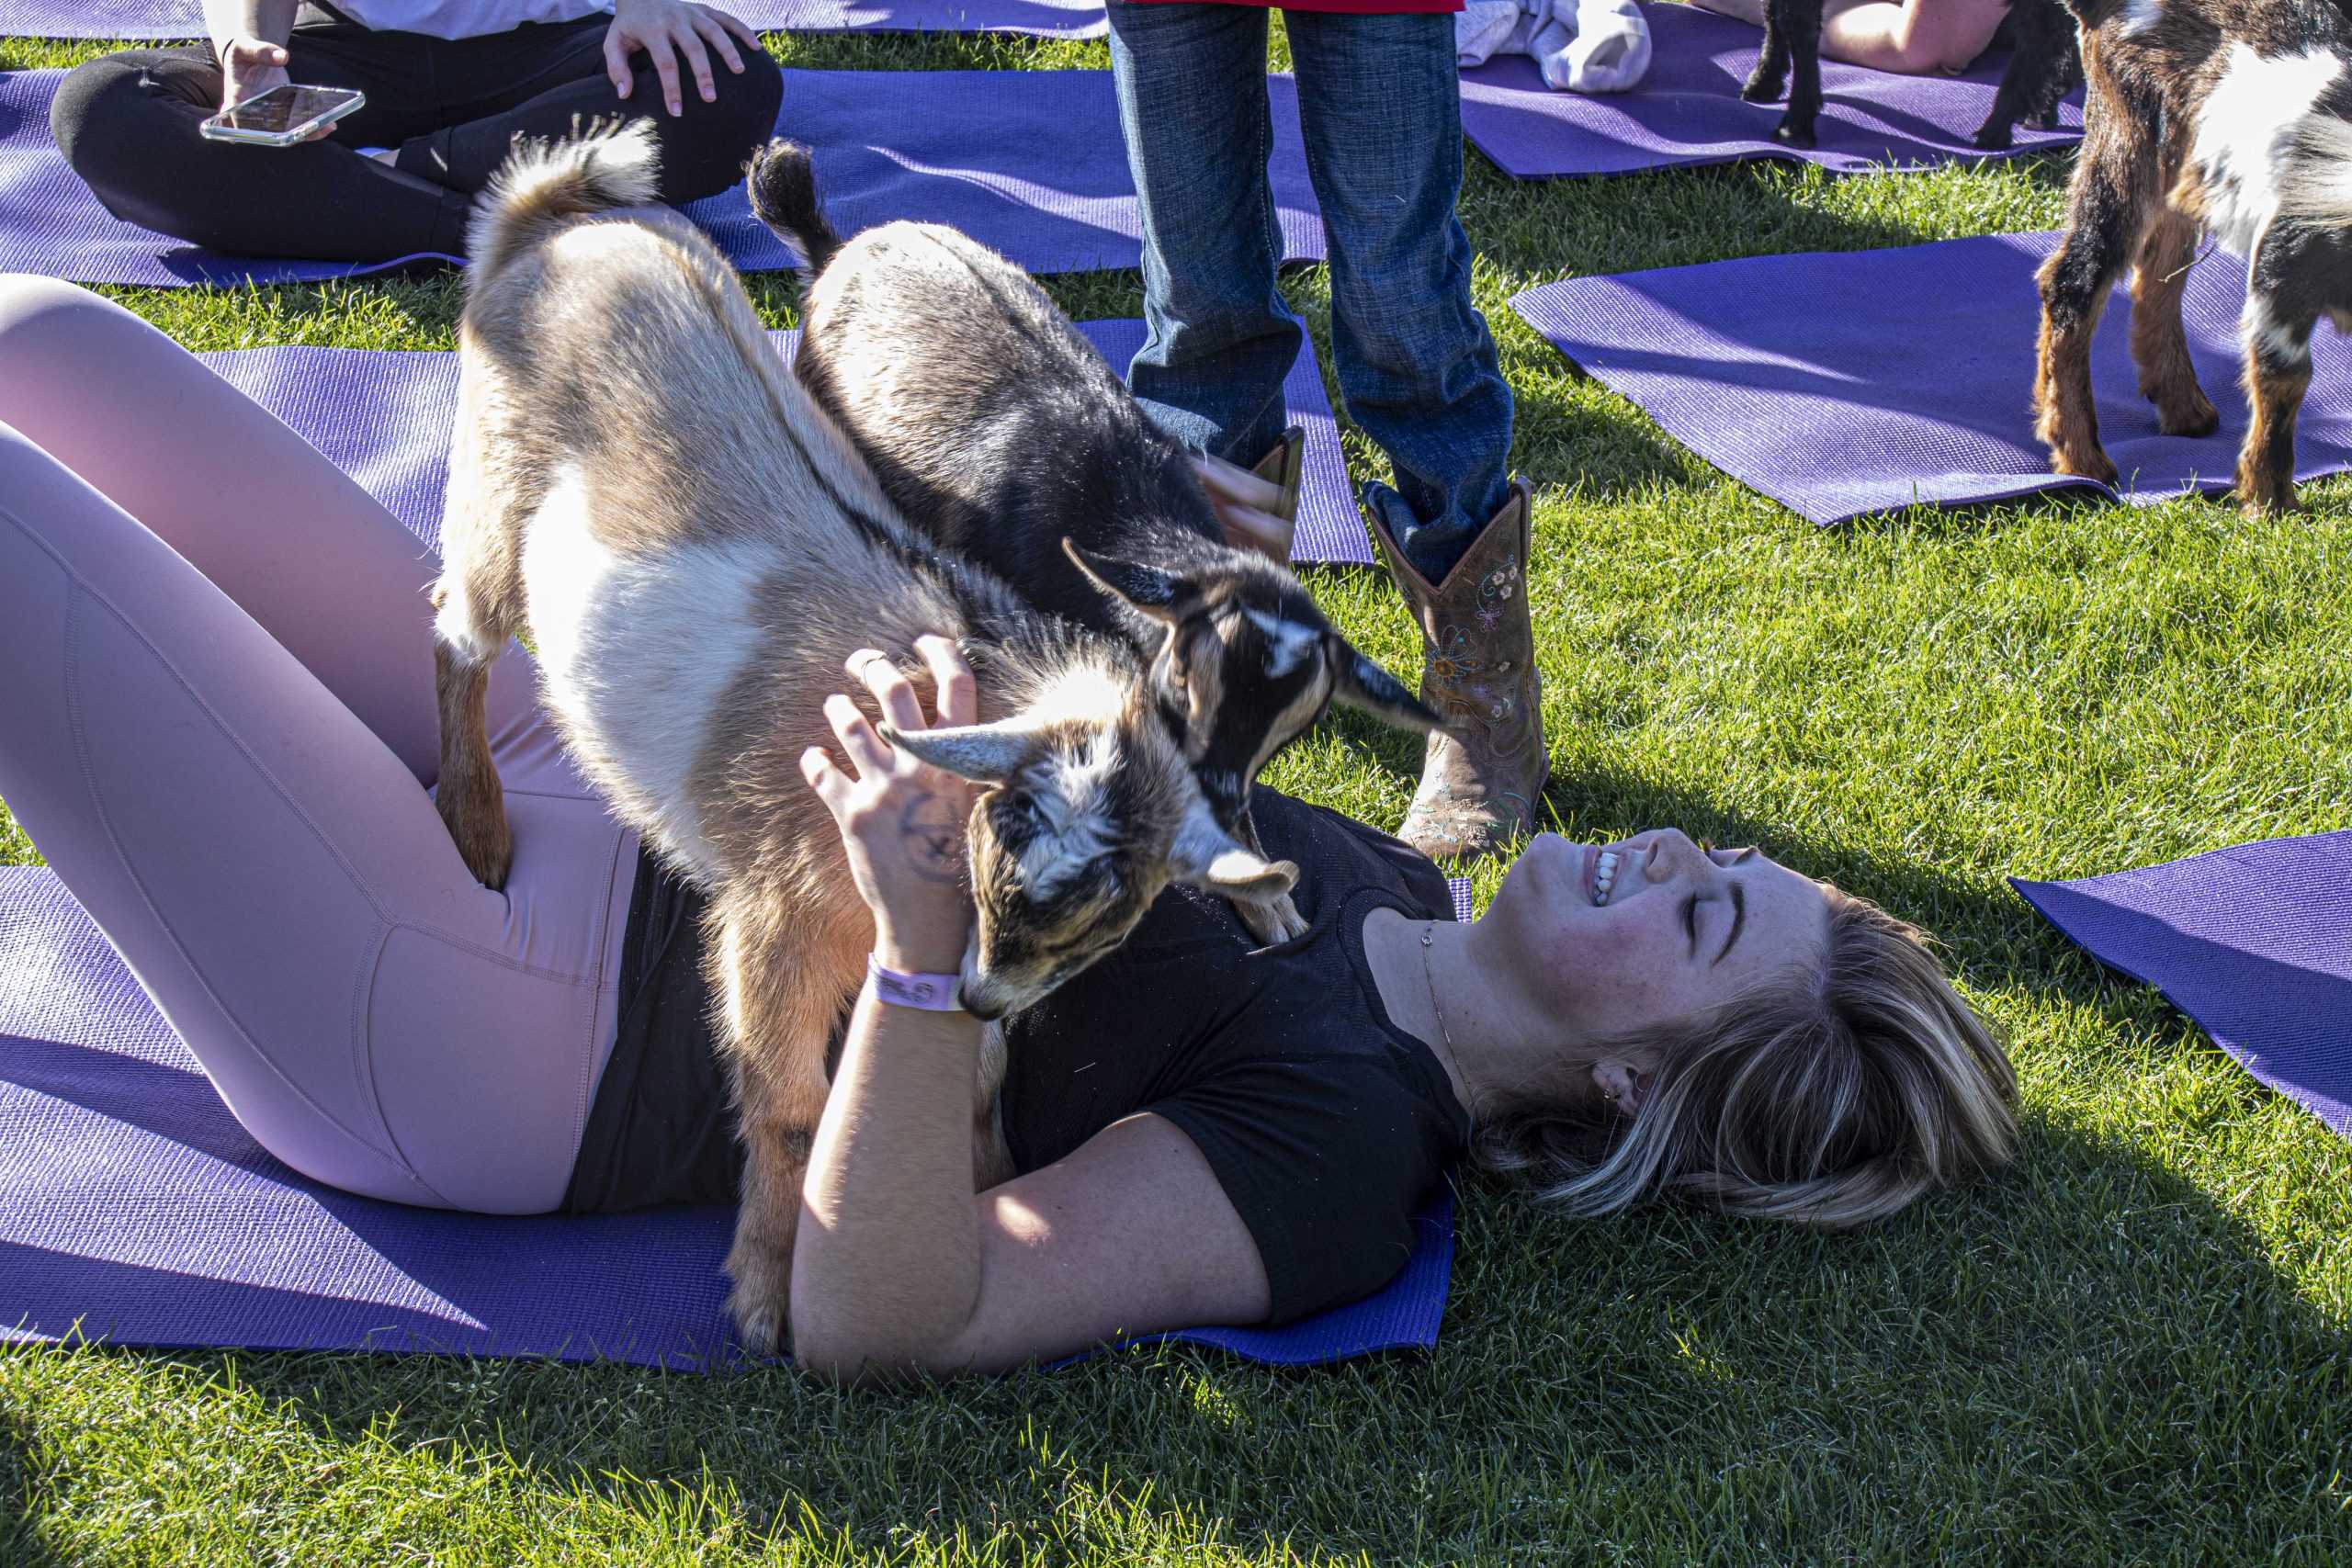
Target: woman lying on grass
219 726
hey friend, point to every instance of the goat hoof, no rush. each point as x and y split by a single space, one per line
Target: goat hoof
2259 502
2046 120
1762 89
1789 134
761 1316
1274 922
1992 138
2094 464
486 847
2197 419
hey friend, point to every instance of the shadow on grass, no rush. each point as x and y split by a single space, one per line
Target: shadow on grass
2078 1354
23 1543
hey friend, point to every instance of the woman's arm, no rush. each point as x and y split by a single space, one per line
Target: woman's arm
899 1266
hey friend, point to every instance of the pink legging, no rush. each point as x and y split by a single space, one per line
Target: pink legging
217 723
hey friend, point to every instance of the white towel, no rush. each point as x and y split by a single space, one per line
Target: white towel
1481 29
1579 46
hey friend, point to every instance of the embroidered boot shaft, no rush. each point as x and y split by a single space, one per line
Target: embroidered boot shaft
1481 772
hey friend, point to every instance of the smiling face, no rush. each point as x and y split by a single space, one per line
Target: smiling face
1629 937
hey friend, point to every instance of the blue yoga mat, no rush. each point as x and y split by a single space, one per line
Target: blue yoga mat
139 19
1688 112
383 418
2254 944
1853 382
133 1209
1029 163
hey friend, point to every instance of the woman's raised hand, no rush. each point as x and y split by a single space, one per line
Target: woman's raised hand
901 821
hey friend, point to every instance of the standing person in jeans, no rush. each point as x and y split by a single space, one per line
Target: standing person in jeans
1381 109
450 83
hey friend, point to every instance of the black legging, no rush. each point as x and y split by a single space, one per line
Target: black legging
127 125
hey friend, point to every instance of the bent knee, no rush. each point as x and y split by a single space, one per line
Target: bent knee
53 332
102 117
706 150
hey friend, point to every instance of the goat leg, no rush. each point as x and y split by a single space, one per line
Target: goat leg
2159 345
471 801
2278 374
2113 188
1270 921
1764 84
784 968
1802 22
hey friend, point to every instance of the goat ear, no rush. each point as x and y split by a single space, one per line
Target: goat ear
1161 595
1206 856
1360 683
984 753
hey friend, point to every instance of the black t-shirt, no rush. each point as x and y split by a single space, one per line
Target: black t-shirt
1326 1125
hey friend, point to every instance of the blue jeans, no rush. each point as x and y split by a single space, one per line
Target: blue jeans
1381 110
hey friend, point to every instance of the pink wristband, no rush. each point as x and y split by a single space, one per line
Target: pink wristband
932 993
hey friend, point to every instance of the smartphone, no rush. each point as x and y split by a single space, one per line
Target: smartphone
283 115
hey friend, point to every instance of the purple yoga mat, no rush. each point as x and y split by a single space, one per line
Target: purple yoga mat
1688 111
383 418
133 1209
1853 382
1030 163
2254 944
185 18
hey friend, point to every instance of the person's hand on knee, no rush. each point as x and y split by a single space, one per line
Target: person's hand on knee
669 30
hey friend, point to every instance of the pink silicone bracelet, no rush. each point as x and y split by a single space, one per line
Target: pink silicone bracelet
932 993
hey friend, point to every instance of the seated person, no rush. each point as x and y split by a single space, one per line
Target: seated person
219 726
450 86
1909 38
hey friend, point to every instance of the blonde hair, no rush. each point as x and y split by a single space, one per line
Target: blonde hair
1831 1097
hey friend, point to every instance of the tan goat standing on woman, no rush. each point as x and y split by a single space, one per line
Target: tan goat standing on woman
637 478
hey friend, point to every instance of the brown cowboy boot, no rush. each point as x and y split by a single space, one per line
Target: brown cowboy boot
1483 772
1284 463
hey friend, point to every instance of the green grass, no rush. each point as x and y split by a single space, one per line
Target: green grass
2129 1348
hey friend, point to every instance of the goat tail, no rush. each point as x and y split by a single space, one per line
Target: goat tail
547 181
782 182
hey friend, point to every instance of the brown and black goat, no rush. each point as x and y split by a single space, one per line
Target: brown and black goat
999 431
2227 117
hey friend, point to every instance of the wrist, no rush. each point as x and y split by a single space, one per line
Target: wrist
913 953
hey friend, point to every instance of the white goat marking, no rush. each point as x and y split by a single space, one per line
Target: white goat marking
1292 643
614 662
2247 134
1079 828
2277 340
2142 15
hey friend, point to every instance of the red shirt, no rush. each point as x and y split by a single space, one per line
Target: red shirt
1357 8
